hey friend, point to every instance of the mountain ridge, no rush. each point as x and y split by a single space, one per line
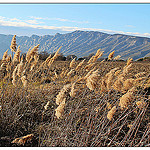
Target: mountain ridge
83 43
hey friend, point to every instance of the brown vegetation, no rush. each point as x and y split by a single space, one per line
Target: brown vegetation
73 103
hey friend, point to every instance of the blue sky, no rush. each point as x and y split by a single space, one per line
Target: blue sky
41 19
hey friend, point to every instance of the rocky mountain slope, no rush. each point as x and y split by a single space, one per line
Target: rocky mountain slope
83 43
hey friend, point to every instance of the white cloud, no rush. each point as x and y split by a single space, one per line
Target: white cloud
130 26
15 19
35 24
37 18
58 19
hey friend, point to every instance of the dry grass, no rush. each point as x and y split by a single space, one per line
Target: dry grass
58 104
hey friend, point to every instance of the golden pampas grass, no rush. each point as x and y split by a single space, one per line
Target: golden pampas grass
129 61
88 74
72 63
128 84
73 90
14 76
110 77
60 109
127 98
117 72
92 80
126 69
118 84
71 73
31 53
97 55
90 60
3 65
48 59
17 56
9 58
46 106
111 113
13 44
141 104
24 80
34 63
80 65
89 66
54 57
103 85
5 56
110 56
117 57
20 67
23 140
62 94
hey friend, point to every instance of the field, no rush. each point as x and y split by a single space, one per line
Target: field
73 103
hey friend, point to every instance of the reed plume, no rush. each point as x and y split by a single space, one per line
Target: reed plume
14 76
73 91
88 74
110 56
5 56
23 140
13 44
80 65
20 67
24 80
89 66
71 73
34 63
118 84
111 113
141 104
72 63
110 77
97 55
90 60
92 80
129 61
126 69
62 94
46 106
16 58
127 98
60 109
54 57
31 53
103 85
128 84
117 57
117 72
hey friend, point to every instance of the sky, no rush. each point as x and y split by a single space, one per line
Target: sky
43 19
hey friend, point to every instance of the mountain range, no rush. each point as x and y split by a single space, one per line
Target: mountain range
82 43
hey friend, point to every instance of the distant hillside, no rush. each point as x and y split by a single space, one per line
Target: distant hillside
83 43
